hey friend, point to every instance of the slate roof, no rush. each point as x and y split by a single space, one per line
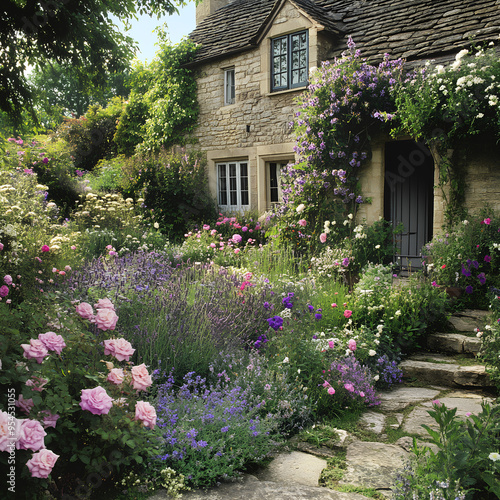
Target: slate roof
412 29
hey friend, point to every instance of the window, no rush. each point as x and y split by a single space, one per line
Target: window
289 61
232 185
274 171
229 86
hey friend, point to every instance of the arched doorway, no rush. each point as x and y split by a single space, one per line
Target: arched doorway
408 197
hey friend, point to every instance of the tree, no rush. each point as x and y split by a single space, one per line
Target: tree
163 106
58 87
79 33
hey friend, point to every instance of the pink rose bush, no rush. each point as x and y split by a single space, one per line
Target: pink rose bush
4 291
42 463
104 304
85 311
116 376
141 379
106 319
96 401
46 377
121 349
31 435
145 413
35 350
52 341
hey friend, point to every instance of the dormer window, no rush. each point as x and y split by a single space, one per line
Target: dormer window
229 92
289 61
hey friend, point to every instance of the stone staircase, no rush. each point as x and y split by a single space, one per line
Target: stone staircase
448 359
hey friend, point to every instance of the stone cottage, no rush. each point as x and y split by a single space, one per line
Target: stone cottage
255 58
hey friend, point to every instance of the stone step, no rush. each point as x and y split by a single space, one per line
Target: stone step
468 320
444 371
453 342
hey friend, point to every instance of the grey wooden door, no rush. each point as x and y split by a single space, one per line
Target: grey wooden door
408 198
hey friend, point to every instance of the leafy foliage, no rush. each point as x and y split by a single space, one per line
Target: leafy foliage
90 137
80 33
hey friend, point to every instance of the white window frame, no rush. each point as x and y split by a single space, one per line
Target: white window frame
233 185
229 86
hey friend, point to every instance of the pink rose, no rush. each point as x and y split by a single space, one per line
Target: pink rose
85 311
106 319
7 279
145 413
36 383
45 248
349 387
104 304
302 222
42 463
49 420
31 435
4 291
331 391
35 349
322 237
9 430
96 401
25 404
331 344
141 378
121 349
116 376
352 345
237 238
347 313
1 246
52 341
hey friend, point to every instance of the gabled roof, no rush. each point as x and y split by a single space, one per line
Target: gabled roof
413 29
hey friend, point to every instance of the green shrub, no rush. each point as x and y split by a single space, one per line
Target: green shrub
90 137
174 187
467 463
467 257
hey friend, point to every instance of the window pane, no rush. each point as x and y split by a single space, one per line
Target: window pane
295 77
244 183
303 59
233 192
283 45
276 47
222 185
273 181
284 80
302 76
295 42
303 40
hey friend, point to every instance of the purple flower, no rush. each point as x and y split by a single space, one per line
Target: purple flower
469 289
487 258
275 322
318 316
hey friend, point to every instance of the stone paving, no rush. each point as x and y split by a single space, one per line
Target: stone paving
373 464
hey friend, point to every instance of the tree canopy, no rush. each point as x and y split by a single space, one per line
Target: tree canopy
79 33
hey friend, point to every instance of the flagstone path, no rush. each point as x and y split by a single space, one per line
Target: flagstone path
370 464
373 464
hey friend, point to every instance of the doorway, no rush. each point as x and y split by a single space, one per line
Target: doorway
408 198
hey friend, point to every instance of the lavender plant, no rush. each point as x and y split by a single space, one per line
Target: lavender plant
213 428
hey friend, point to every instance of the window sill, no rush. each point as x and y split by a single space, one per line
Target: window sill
287 91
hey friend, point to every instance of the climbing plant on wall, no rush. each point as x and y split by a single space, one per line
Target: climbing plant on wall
445 106
346 102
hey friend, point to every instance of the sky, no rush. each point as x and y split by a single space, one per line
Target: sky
178 26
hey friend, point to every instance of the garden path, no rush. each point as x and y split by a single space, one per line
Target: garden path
370 464
373 462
